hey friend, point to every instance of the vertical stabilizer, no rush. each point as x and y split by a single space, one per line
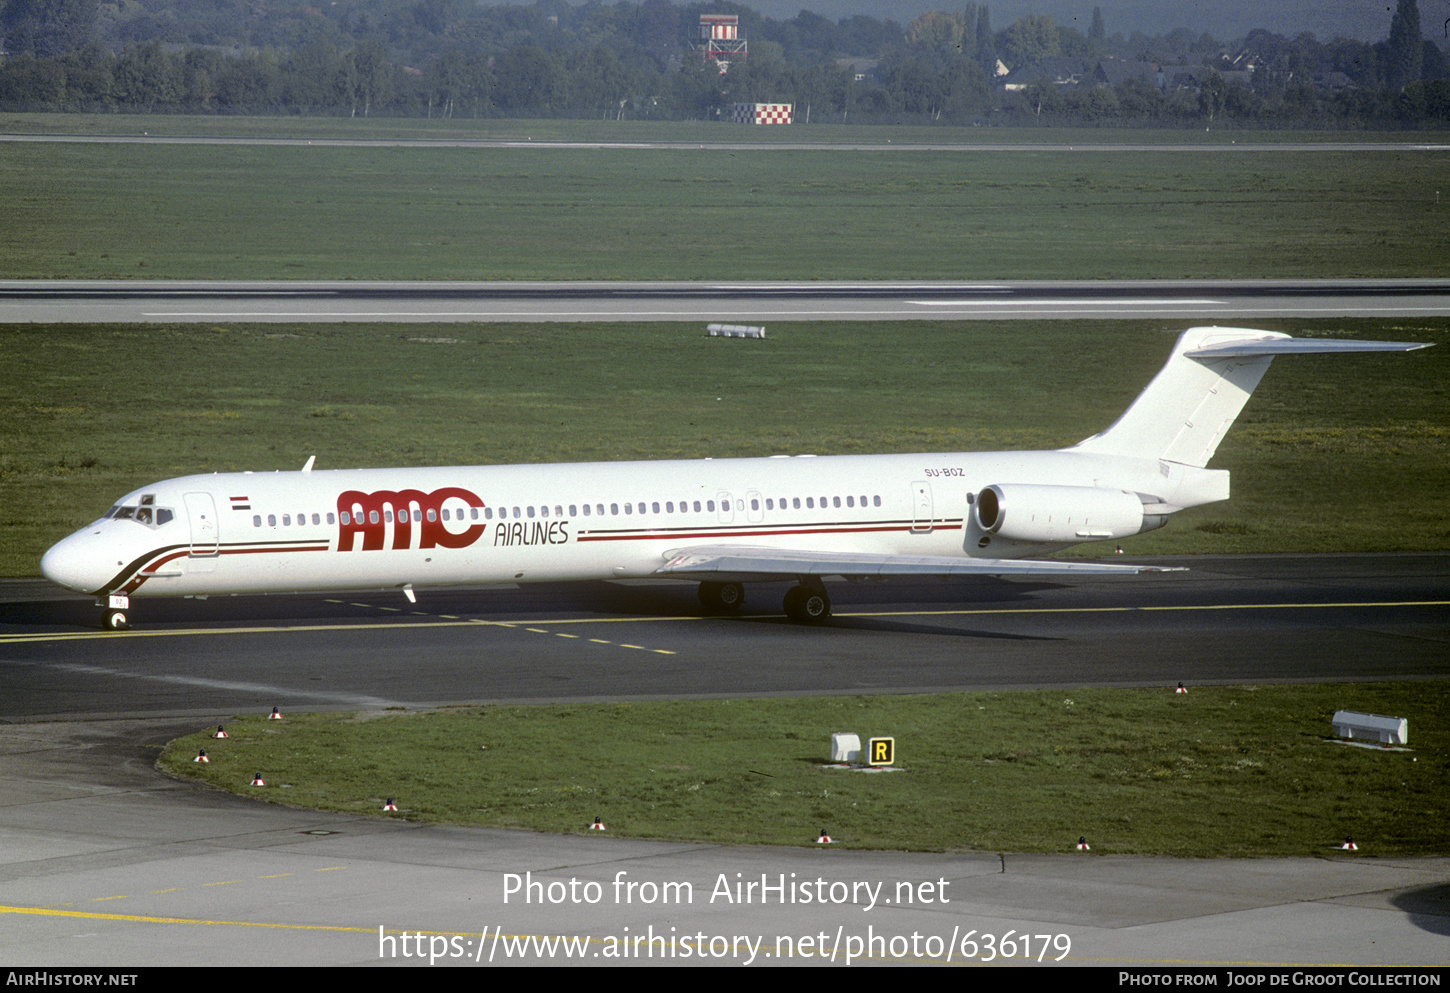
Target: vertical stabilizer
1188 407
1192 402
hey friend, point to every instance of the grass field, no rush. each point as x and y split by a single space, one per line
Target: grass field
1333 453
1225 772
126 211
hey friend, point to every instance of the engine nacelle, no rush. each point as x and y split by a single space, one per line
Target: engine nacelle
1031 512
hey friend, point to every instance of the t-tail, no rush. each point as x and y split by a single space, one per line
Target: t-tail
1191 404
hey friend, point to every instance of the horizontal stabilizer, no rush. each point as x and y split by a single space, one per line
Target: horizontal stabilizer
1299 346
742 563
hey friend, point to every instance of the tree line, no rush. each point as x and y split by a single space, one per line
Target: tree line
440 58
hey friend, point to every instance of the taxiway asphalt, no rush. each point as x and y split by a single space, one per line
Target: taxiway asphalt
104 861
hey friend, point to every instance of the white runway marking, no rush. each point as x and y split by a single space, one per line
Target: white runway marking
347 699
1067 303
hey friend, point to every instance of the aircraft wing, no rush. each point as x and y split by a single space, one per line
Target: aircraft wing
745 563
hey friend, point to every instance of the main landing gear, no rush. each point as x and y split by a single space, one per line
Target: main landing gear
722 598
804 604
807 605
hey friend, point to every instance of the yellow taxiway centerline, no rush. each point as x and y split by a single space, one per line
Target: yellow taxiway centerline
12 639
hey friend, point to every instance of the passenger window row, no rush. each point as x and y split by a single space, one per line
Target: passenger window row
287 520
588 510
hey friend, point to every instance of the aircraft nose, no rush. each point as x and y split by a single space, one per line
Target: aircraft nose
72 563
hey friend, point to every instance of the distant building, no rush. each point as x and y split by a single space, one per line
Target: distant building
1332 81
1056 70
1187 77
860 68
1113 72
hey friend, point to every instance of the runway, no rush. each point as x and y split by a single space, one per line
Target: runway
1210 301
106 862
1231 146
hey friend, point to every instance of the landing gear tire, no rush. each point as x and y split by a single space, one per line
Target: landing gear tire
722 598
116 620
807 606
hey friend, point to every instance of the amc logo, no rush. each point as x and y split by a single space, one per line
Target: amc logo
371 514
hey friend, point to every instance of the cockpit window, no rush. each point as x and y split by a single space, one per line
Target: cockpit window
147 514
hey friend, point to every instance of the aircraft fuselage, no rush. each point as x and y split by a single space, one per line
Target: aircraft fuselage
378 528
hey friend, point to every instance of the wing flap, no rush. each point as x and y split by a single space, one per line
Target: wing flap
744 563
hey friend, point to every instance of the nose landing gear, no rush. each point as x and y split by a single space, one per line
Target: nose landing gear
118 612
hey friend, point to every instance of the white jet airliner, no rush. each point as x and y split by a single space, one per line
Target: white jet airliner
719 522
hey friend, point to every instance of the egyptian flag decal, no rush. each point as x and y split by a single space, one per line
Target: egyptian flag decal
241 503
